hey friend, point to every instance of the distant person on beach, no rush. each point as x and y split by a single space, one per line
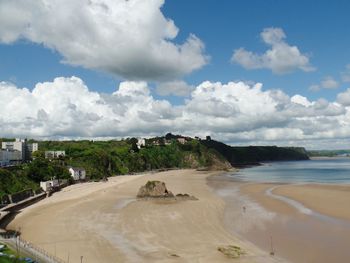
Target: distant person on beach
244 209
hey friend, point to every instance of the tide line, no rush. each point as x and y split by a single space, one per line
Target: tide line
303 209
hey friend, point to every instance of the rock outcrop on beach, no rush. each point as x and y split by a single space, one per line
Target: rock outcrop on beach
185 197
154 189
157 189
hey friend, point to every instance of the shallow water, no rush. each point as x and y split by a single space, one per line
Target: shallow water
302 237
325 170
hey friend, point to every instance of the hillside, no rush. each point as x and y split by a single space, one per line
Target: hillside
12 182
101 158
108 158
250 155
329 153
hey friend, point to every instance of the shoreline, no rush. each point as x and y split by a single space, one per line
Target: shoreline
289 214
105 223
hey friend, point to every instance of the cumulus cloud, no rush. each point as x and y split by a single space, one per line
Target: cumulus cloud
281 58
233 112
315 87
327 82
344 98
346 74
298 99
177 88
131 39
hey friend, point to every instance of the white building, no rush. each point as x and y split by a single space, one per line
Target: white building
77 173
54 154
141 142
4 158
17 145
22 146
181 140
10 156
48 185
33 147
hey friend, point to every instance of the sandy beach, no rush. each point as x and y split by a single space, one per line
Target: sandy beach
332 200
305 223
103 222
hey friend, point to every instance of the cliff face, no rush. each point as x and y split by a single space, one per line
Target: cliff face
218 162
250 155
206 158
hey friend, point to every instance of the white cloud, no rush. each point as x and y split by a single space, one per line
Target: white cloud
177 88
327 82
344 98
234 112
346 74
315 87
298 99
131 38
281 58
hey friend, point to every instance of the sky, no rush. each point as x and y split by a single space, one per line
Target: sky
244 72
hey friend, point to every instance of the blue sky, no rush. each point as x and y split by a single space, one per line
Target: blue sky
37 49
318 29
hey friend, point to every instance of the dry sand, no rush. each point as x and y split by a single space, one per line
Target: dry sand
104 223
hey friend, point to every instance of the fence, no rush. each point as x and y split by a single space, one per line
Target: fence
20 196
37 253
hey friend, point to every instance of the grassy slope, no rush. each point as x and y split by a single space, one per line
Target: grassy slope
11 182
8 252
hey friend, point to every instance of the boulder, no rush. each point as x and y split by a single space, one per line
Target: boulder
154 189
185 197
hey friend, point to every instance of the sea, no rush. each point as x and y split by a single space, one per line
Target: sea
319 170
303 235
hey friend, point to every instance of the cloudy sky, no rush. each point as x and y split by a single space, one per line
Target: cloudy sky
245 72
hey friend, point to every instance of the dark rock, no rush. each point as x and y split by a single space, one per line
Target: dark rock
154 189
185 197
157 189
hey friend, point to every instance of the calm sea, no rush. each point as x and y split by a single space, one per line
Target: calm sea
330 170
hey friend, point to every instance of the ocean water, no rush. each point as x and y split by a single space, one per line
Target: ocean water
325 170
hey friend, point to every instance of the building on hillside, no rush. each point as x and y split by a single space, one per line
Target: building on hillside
49 185
22 146
141 142
8 157
33 147
156 143
181 140
159 142
77 173
54 154
17 145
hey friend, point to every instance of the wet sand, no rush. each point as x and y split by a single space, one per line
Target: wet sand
306 223
103 222
332 200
